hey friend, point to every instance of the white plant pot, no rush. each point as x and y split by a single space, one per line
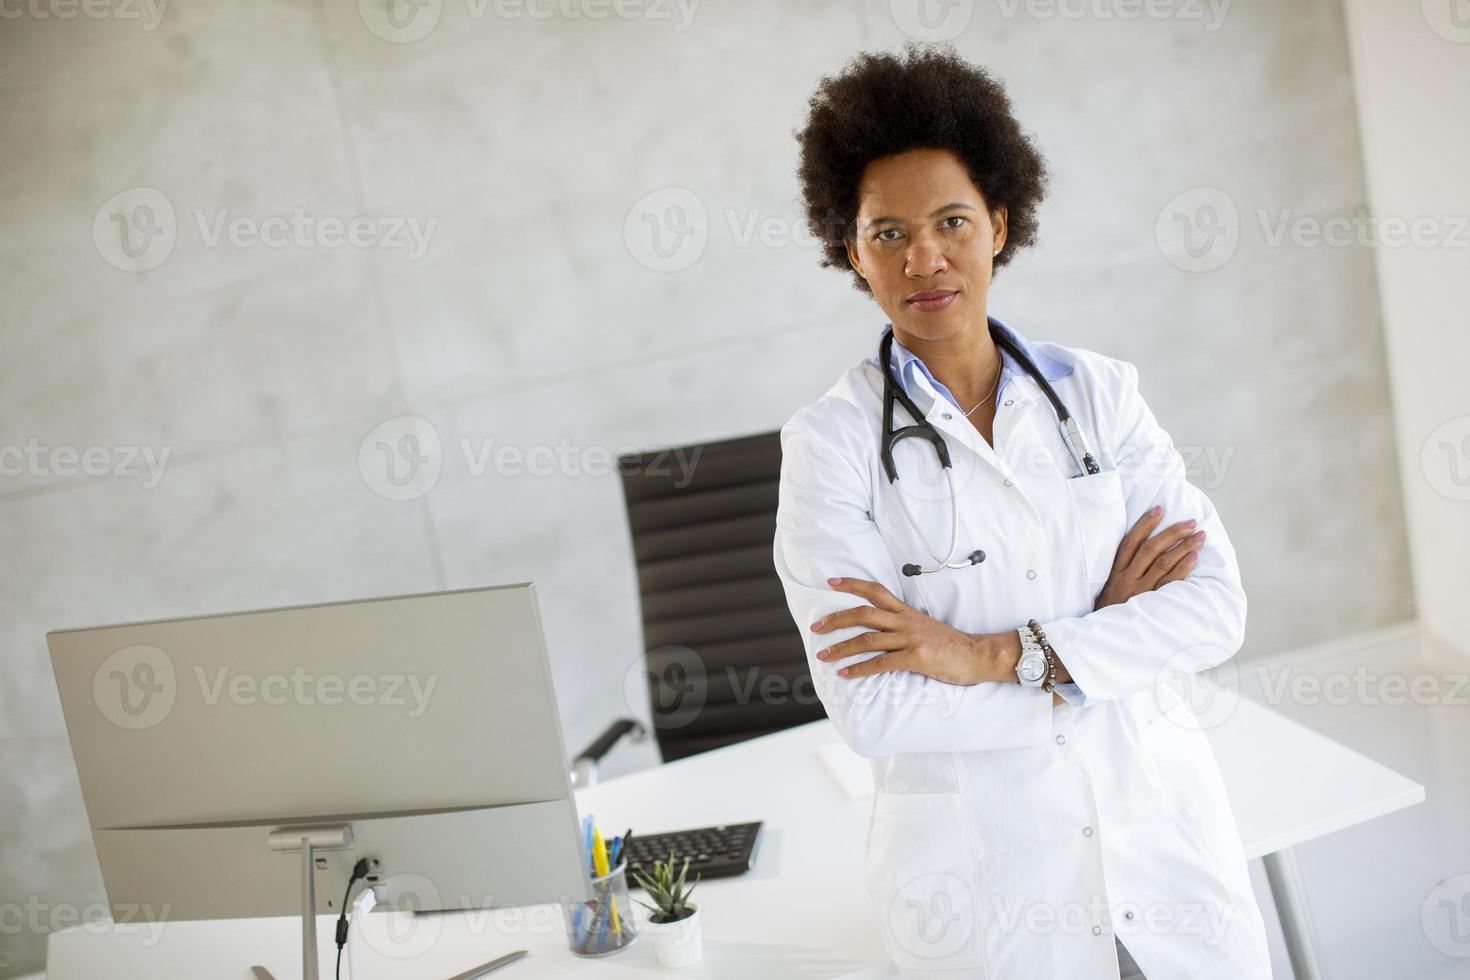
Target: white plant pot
679 943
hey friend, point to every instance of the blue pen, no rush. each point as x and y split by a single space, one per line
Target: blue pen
617 846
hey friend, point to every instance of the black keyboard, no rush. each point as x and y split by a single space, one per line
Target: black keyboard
713 852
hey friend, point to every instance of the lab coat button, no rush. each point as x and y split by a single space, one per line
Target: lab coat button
1128 916
1086 831
948 416
1010 401
1008 483
1030 573
1097 930
1061 739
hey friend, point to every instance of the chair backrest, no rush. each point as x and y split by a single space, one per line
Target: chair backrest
724 660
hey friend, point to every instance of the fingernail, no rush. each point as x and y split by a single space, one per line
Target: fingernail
1154 510
818 624
822 653
1191 522
834 581
842 672
1199 536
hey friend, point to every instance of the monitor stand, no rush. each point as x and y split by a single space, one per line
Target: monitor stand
307 840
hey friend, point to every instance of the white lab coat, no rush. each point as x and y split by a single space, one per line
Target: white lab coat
1009 839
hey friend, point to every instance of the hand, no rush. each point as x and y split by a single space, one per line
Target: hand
910 639
1144 565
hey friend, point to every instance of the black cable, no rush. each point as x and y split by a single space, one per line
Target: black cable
359 872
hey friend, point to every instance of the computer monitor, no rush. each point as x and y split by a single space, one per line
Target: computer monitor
417 731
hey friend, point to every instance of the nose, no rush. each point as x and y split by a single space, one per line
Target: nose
924 259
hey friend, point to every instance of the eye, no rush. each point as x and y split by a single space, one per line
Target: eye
879 235
956 217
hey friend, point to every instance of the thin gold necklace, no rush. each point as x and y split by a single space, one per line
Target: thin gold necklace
987 395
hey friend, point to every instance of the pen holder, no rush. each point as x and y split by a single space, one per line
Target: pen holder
602 924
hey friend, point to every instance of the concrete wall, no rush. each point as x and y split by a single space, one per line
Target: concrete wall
537 155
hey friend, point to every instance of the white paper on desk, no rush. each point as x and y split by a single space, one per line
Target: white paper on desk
853 773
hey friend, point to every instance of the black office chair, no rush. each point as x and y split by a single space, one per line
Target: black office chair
724 660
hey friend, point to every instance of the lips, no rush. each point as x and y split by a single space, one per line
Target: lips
932 299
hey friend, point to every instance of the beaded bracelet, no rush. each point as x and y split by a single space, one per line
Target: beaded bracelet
1049 684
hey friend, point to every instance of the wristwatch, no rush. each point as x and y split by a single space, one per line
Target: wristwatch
1032 667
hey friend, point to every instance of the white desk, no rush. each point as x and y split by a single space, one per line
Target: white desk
801 914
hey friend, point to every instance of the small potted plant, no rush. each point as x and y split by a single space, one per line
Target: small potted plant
673 923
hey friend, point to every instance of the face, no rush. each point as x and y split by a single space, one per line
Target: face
925 242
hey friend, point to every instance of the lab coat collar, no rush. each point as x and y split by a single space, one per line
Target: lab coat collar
908 367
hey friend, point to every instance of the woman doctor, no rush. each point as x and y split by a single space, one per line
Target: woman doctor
1000 637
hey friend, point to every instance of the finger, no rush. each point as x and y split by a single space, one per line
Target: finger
872 591
1184 553
1181 569
862 643
1150 550
880 663
869 616
1136 535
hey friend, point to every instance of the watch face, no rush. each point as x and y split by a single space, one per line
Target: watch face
1031 668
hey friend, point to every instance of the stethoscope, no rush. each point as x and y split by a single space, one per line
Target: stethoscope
892 391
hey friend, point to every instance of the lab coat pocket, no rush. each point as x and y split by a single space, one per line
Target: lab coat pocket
1097 502
924 877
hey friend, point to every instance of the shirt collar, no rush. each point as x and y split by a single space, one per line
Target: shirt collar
907 364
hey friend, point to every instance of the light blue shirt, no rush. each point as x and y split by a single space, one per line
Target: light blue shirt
907 364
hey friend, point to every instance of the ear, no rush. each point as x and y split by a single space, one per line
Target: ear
852 256
998 227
